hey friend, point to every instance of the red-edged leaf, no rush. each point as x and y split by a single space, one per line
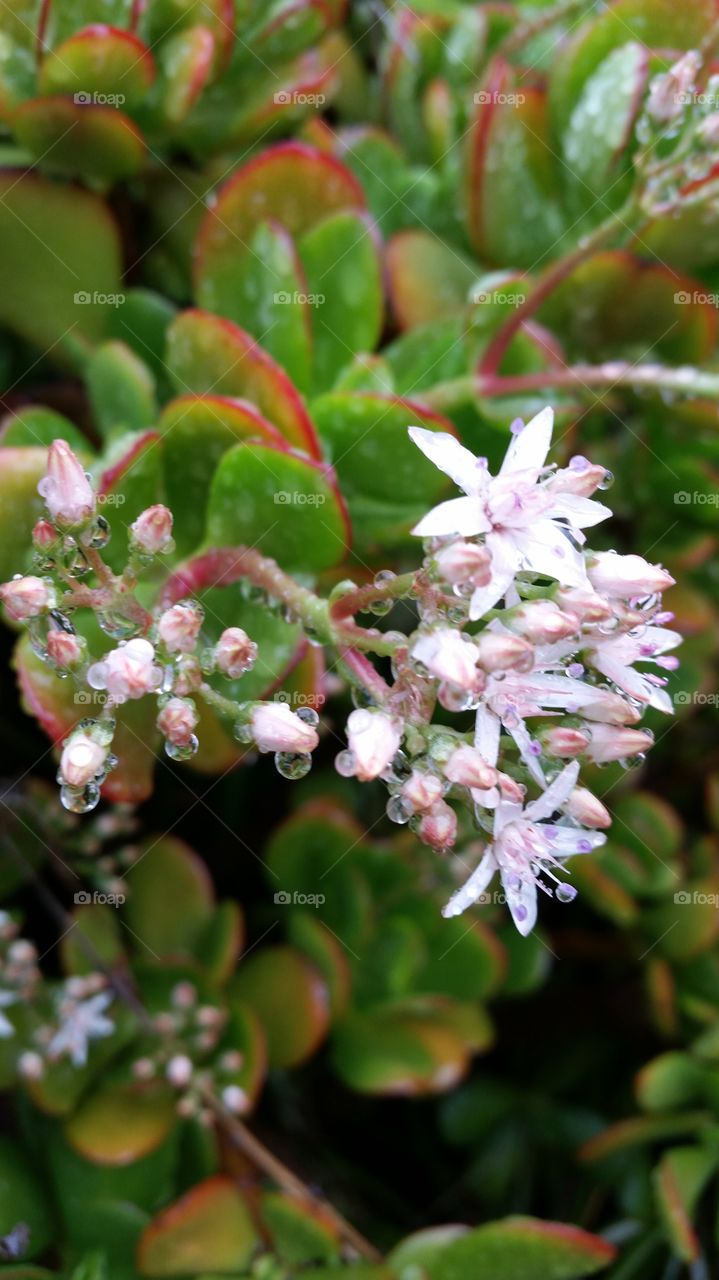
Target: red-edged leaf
98 62
71 138
208 1229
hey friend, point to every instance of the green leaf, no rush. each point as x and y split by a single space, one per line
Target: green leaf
36 425
23 1199
96 62
208 1229
118 1125
344 282
60 262
279 502
170 897
299 1232
128 480
679 1180
95 924
290 1000
399 1049
428 279
522 1249
327 955
74 140
121 389
206 354
21 470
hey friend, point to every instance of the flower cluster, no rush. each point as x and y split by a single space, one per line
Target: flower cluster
555 649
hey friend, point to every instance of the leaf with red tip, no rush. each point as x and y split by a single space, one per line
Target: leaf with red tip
59 258
641 1130
196 431
679 1180
62 19
428 280
69 138
514 214
208 355
186 63
118 1126
99 62
208 1229
327 955
290 999
290 183
287 26
397 1050
520 1246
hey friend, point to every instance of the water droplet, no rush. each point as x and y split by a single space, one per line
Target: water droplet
308 714
77 800
607 481
565 893
292 764
242 731
345 764
98 535
398 810
184 752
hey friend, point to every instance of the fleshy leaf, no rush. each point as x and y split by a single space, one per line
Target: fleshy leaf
96 62
68 138
208 1229
170 897
21 469
428 279
519 1247
118 1126
22 1199
121 389
396 1050
290 1000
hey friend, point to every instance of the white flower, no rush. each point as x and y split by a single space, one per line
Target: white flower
526 851
82 1022
65 487
6 1028
276 728
448 656
519 515
615 656
374 739
625 576
127 672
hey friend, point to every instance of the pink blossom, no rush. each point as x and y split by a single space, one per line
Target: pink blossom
179 627
615 656
25 597
581 477
152 531
563 741
235 653
448 656
541 622
129 671
65 649
467 768
177 721
422 790
44 535
626 576
82 759
464 562
587 809
611 742
65 487
524 521
500 651
585 603
276 728
374 739
438 827
669 92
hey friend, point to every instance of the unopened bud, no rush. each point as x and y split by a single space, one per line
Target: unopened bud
467 768
152 531
235 653
585 808
438 827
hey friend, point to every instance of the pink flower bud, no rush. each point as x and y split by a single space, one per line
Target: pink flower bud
448 657
611 742
188 674
580 480
541 622
586 604
65 650
235 653
563 742
152 531
177 721
467 768
464 562
669 92
422 790
585 808
500 651
276 728
44 535
65 487
610 708
616 575
179 1070
374 739
129 671
438 827
82 760
510 789
179 627
25 597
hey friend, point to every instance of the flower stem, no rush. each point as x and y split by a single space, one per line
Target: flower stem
684 380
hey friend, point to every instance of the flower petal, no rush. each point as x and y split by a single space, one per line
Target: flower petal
555 795
522 901
473 888
529 449
460 515
451 457
505 562
548 551
580 512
